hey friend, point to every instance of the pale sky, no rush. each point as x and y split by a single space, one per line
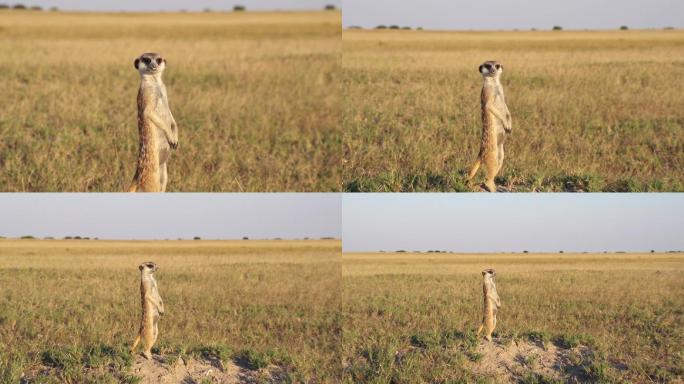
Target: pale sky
513 222
175 5
511 14
171 216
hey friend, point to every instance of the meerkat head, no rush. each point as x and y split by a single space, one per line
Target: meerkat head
150 63
491 68
488 273
148 267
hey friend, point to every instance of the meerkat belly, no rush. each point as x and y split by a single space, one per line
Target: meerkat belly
161 139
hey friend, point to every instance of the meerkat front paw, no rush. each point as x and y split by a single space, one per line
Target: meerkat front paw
173 144
148 355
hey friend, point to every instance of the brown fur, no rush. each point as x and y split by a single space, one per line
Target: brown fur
158 132
492 303
496 123
152 309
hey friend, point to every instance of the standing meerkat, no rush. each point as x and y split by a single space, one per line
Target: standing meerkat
157 128
492 303
152 309
496 123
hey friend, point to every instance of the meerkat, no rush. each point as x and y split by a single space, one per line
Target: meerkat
157 127
492 303
496 123
152 309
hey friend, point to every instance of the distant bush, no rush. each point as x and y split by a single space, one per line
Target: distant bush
525 252
381 27
54 9
406 28
207 10
4 6
401 251
27 237
354 27
245 238
197 238
19 6
419 29
36 8
669 28
394 27
557 28
239 8
330 7
560 251
77 237
67 237
652 250
624 27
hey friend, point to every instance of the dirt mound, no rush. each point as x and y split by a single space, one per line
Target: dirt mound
191 371
512 361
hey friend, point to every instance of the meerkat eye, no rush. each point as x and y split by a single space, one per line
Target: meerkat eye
159 61
146 60
498 66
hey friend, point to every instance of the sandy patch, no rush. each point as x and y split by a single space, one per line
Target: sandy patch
512 361
191 371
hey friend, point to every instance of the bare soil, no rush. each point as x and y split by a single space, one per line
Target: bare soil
511 361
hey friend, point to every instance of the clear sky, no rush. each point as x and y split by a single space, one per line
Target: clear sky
513 222
511 14
175 5
171 216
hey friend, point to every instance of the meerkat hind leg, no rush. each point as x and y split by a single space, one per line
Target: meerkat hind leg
500 158
163 177
491 163
491 323
148 342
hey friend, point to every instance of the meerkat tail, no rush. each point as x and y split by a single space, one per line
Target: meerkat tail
473 169
135 343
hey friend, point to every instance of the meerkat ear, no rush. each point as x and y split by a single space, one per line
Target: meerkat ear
136 62
479 69
141 266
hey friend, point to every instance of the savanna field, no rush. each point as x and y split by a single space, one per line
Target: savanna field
256 96
411 318
592 111
71 308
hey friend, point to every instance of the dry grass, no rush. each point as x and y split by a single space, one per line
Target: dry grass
592 111
626 307
256 96
75 304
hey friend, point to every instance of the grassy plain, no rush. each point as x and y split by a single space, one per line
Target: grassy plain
74 305
592 111
256 96
627 307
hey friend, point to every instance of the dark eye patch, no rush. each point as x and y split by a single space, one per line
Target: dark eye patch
159 61
146 60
